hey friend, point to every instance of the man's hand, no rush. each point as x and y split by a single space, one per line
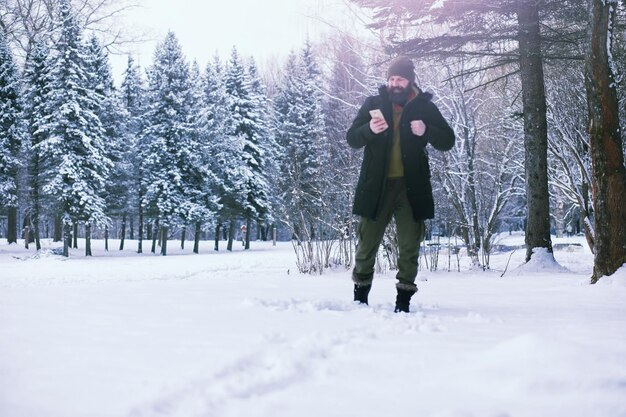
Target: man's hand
378 125
418 127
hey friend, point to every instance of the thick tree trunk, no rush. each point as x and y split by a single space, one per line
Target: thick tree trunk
58 228
75 236
607 158
196 238
183 235
164 232
131 227
87 239
535 129
155 233
231 235
217 237
67 237
34 192
123 234
248 231
36 231
12 224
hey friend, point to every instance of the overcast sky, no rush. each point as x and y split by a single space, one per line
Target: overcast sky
263 29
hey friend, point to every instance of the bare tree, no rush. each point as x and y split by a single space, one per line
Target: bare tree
481 174
24 21
568 144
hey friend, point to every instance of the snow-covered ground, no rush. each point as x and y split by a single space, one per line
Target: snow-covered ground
243 334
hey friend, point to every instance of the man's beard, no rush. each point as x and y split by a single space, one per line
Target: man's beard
399 95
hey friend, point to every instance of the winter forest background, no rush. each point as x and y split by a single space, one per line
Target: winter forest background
176 152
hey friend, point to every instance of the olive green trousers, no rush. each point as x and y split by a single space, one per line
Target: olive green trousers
409 235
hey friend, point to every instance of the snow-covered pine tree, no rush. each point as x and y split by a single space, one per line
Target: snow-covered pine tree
202 201
213 138
111 114
37 84
267 170
258 151
233 157
132 93
304 144
79 165
168 151
11 137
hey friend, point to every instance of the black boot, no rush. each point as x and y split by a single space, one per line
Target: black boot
362 286
361 292
403 300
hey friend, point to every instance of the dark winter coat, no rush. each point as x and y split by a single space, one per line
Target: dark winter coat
372 179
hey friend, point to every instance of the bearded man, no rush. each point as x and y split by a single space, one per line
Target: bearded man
395 128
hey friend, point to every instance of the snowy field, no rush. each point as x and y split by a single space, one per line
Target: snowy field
242 334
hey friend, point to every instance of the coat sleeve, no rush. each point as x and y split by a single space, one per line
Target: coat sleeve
360 134
438 132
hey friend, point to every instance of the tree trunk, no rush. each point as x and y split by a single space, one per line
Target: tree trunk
140 232
123 234
131 227
273 235
164 232
36 232
58 228
26 235
88 239
231 236
67 236
535 129
12 224
75 236
183 235
196 238
34 192
607 158
155 233
217 237
106 238
248 231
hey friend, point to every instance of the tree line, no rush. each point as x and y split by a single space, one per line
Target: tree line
177 147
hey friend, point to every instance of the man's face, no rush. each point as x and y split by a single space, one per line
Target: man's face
399 89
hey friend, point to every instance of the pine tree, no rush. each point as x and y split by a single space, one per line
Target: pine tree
132 97
269 153
168 151
38 84
236 149
213 139
303 142
200 179
76 145
255 126
111 113
11 136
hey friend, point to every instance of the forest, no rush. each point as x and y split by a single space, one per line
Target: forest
535 91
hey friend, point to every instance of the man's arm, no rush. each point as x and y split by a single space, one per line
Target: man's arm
438 132
360 133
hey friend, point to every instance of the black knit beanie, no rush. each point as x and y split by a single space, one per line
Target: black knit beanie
403 67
